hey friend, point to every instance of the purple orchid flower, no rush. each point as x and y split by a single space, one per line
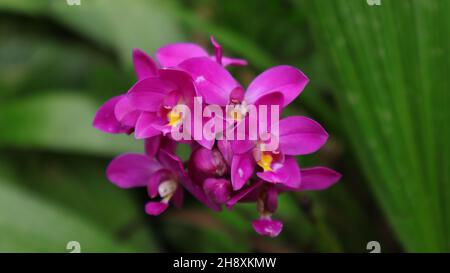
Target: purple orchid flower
157 97
136 111
173 54
297 135
216 85
164 178
116 115
266 196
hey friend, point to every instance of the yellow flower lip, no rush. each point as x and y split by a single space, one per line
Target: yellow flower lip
265 161
174 117
236 116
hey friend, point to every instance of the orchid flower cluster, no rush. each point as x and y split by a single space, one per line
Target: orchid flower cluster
229 165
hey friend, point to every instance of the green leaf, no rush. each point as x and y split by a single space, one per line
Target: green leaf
122 25
31 63
26 6
197 231
78 183
389 63
60 122
30 224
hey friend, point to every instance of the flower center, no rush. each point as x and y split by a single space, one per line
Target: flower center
265 161
238 111
174 117
238 107
166 190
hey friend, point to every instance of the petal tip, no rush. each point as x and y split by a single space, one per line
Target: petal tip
155 208
267 227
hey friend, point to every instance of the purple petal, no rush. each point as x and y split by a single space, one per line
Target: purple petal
233 62
172 162
193 130
162 126
169 145
183 82
244 192
301 135
208 144
218 190
152 145
155 208
125 113
105 120
242 146
267 227
148 94
145 126
276 177
286 79
156 179
131 170
173 54
318 178
214 83
225 149
144 66
242 167
272 99
243 142
224 61
217 50
287 173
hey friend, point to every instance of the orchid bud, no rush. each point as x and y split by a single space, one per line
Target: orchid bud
237 95
218 190
207 163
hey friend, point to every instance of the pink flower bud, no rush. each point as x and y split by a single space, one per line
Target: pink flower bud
205 163
237 95
218 190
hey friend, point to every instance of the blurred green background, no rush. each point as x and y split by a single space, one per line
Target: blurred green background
379 84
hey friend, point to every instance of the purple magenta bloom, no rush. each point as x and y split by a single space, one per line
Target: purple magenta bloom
117 115
173 54
297 136
105 119
132 170
216 85
157 97
164 178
